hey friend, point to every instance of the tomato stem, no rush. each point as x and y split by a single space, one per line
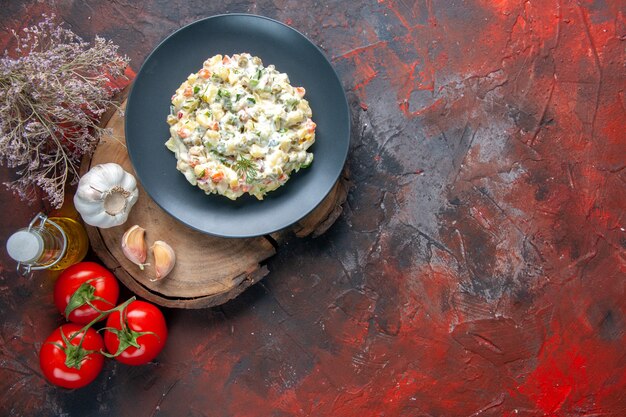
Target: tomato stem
127 337
74 354
84 295
105 313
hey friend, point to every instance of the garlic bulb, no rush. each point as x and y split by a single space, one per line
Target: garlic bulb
105 195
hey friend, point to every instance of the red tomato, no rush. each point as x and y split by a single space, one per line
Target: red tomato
138 335
82 284
65 363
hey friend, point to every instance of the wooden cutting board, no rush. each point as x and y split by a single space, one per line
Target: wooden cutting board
209 270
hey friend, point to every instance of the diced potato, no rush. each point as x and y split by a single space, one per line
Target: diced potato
285 144
304 107
181 165
256 151
231 147
191 125
276 158
294 117
178 100
209 93
216 109
264 130
232 78
249 126
203 119
223 73
281 78
213 60
230 175
302 132
211 138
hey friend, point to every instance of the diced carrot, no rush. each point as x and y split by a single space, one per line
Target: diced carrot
300 91
182 132
217 177
214 126
204 73
226 60
188 91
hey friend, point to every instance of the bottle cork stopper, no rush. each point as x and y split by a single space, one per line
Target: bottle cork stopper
24 246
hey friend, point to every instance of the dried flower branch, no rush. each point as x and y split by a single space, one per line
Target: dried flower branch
53 89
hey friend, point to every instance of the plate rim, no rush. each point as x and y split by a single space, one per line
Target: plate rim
344 103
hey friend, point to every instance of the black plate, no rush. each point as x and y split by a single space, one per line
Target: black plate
183 53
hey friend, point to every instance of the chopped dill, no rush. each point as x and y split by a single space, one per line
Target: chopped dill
245 166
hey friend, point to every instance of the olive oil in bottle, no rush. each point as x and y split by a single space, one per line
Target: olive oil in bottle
48 243
77 242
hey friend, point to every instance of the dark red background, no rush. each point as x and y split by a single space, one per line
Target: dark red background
478 268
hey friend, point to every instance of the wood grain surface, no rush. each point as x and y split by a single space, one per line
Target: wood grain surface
209 270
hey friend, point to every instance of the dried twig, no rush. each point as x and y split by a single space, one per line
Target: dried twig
53 89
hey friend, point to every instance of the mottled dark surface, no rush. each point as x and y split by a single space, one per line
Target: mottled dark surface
478 268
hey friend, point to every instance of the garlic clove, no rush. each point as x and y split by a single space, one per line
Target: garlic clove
134 246
164 259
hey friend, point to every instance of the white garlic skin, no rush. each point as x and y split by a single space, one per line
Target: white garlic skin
105 195
134 246
164 259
